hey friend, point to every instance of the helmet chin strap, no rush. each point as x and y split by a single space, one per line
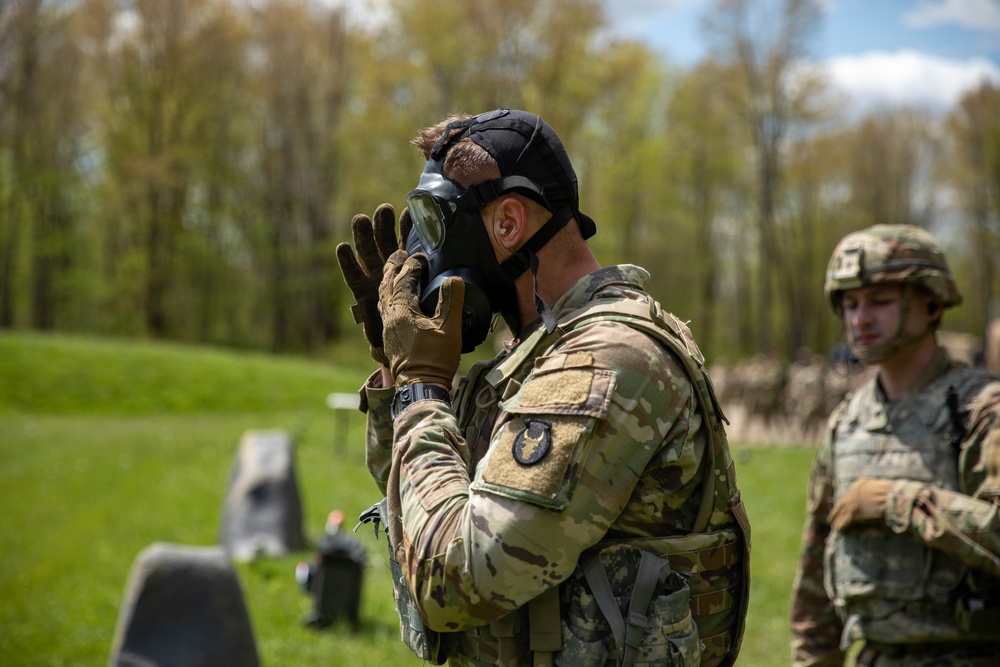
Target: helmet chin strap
876 354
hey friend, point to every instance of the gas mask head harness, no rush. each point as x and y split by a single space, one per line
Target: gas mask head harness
449 230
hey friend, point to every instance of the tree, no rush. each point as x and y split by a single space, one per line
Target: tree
890 155
479 55
619 158
704 166
39 133
19 27
158 70
767 41
974 128
816 199
303 70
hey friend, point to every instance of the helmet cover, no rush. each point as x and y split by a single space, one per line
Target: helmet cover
903 254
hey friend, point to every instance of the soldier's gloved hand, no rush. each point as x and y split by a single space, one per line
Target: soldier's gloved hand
363 270
420 348
864 502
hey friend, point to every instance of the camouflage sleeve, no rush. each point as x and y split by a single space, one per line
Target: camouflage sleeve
816 629
565 456
980 460
378 431
966 527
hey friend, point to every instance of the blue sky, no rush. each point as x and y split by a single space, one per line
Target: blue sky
921 53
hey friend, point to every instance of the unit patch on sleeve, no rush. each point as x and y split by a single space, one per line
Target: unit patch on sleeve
531 456
546 425
533 442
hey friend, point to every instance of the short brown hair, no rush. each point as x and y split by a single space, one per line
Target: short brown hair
467 162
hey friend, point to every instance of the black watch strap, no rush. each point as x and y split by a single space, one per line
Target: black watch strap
419 391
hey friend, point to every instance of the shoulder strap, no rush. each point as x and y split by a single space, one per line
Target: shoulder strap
649 317
628 632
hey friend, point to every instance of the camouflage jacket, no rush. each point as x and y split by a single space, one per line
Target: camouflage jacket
545 452
943 504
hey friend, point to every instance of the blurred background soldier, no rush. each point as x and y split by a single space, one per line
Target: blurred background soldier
574 499
901 547
805 393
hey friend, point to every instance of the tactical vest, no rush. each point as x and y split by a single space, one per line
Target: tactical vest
691 592
886 587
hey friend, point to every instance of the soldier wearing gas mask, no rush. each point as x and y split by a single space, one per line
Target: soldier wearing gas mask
901 549
573 500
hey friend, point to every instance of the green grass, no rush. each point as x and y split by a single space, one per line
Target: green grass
109 446
773 484
76 375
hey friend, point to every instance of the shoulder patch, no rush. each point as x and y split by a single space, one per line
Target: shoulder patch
533 442
531 458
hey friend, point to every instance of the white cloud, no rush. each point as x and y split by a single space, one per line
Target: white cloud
971 14
910 78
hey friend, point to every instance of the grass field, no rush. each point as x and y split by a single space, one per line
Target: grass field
109 446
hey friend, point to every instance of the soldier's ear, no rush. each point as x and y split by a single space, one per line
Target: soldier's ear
510 222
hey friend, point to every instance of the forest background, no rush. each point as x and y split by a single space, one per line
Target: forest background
183 170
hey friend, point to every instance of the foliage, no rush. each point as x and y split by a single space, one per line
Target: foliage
87 487
975 129
184 170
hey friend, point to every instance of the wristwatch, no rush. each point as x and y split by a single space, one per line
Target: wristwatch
418 391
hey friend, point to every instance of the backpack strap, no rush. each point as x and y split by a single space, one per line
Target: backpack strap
628 632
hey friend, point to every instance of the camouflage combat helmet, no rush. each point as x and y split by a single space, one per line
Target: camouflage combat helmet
890 253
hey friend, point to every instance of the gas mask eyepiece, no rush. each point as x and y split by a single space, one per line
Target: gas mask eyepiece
428 218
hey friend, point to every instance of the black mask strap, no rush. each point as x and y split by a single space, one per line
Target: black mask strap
450 136
478 196
548 317
520 261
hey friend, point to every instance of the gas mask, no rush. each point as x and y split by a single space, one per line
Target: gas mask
448 229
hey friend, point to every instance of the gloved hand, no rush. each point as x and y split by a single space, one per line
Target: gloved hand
363 271
420 348
864 502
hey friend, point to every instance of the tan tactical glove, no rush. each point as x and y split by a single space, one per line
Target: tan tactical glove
363 271
420 348
864 502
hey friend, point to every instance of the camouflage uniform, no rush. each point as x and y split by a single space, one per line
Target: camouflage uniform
592 436
922 587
